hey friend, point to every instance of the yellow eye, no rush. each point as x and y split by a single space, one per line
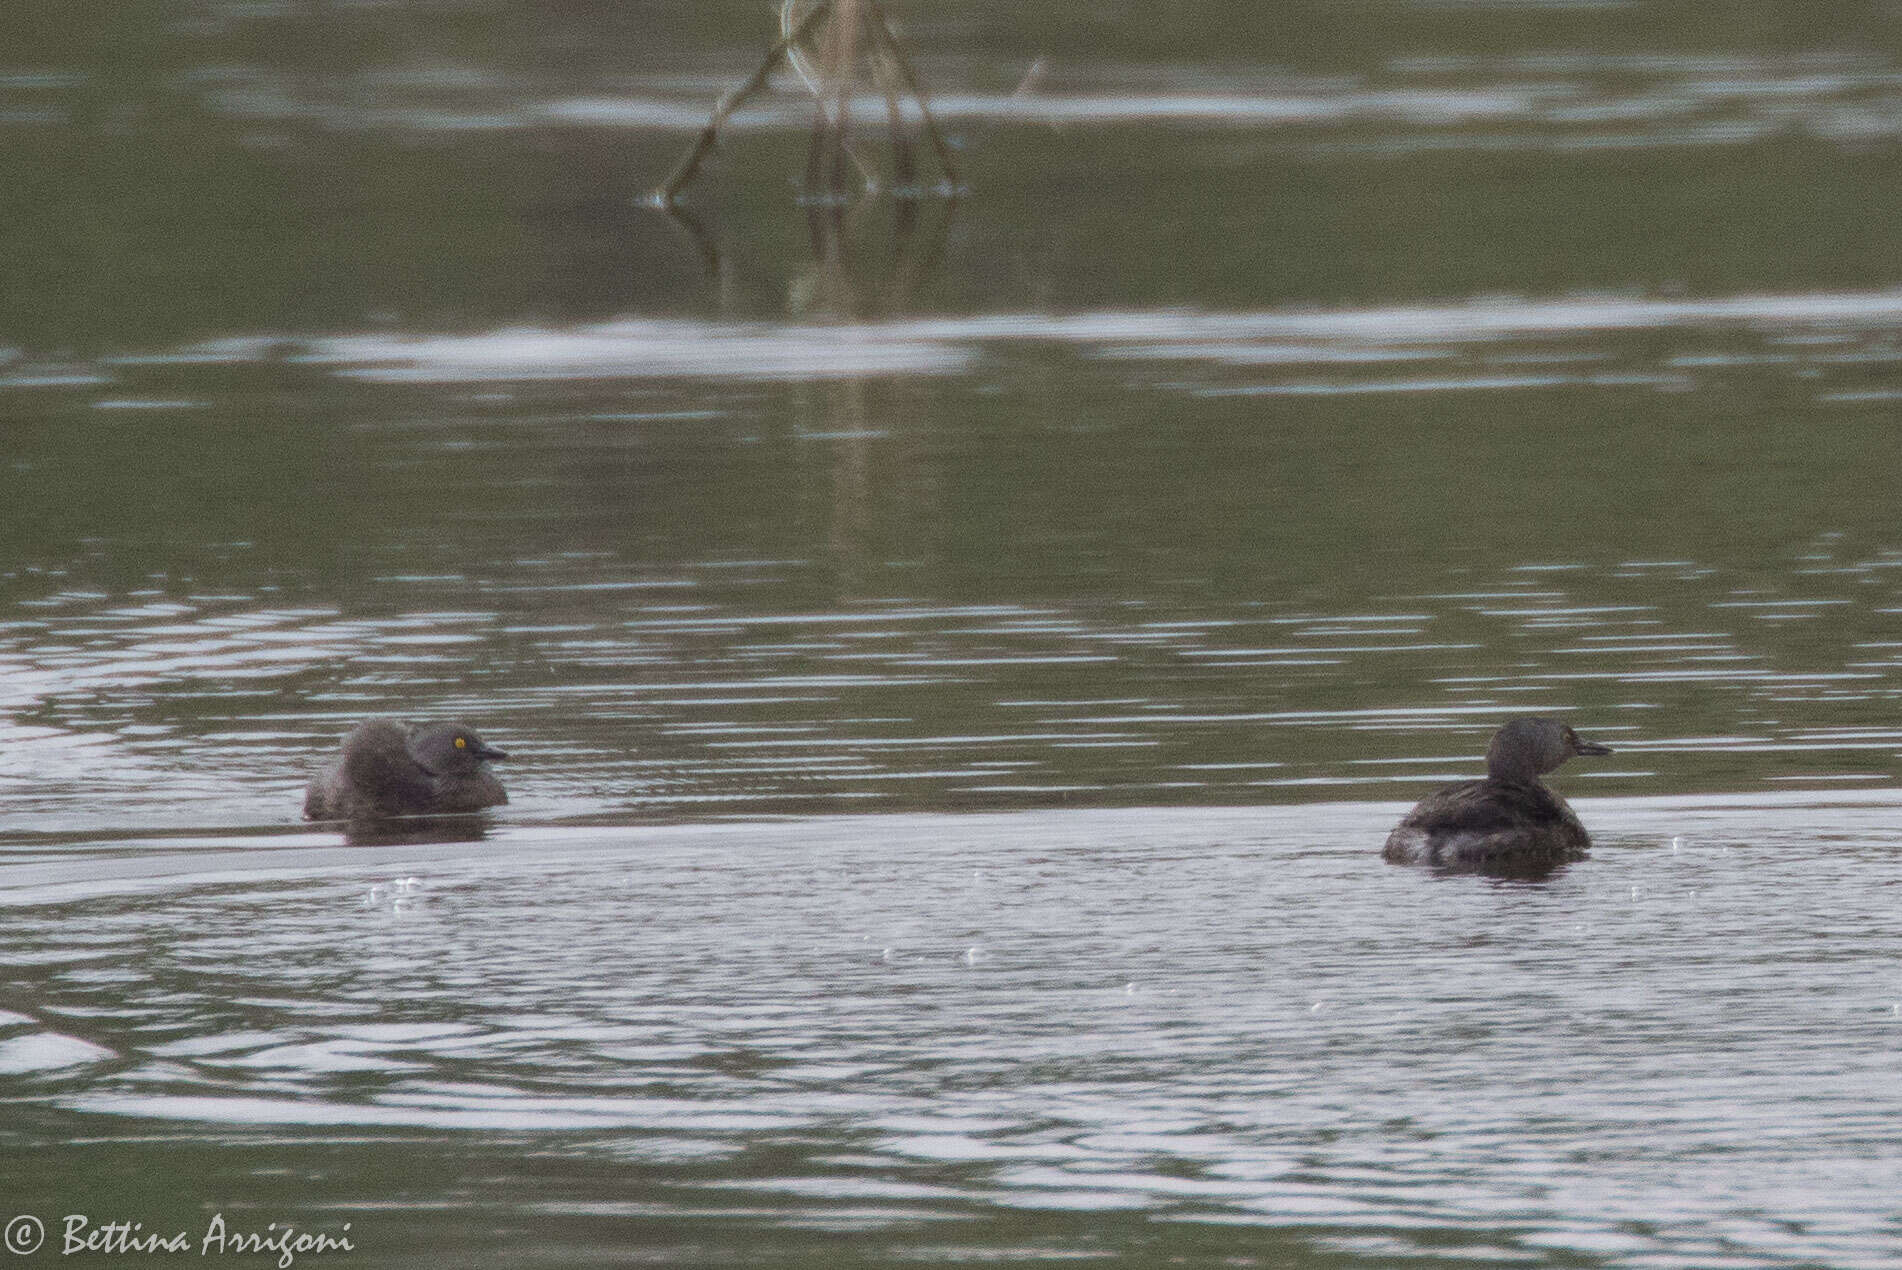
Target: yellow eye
461 744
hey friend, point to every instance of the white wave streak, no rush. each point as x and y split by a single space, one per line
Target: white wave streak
643 348
660 348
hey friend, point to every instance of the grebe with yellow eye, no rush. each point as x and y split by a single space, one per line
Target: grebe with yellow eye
391 768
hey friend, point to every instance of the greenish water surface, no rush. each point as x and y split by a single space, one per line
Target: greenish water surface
961 659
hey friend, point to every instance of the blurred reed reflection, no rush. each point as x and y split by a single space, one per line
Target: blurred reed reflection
870 259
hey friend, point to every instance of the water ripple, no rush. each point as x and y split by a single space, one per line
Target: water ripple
965 1029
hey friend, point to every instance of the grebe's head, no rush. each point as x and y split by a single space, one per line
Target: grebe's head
1526 749
449 749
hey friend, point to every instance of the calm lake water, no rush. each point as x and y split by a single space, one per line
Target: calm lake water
961 658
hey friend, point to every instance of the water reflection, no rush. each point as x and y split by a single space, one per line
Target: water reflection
415 830
645 690
870 256
1812 337
1578 100
904 1026
770 567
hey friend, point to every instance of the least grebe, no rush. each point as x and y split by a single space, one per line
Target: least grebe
1511 817
391 768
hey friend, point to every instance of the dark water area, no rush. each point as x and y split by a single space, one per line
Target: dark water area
961 657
